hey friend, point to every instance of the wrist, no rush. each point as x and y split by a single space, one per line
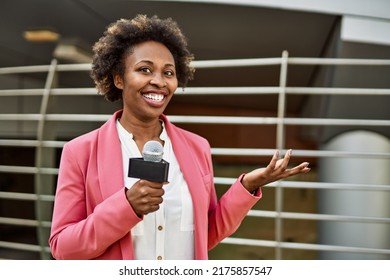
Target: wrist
251 189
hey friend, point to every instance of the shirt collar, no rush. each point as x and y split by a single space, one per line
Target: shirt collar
163 135
125 133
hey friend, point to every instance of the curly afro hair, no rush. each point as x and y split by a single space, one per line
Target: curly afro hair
120 38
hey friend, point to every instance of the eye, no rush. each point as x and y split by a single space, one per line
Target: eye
145 69
169 73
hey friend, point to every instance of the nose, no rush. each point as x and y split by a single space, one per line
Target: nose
158 80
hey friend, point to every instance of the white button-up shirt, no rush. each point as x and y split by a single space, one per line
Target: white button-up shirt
167 233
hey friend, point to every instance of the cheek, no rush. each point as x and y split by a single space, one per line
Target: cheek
173 85
129 91
133 83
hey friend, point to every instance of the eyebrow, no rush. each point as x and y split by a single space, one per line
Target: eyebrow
151 63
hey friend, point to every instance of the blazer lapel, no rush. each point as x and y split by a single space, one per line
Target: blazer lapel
187 162
109 158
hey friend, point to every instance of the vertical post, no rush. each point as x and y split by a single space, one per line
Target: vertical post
280 145
44 182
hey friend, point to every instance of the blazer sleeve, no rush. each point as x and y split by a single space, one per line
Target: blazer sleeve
83 228
227 213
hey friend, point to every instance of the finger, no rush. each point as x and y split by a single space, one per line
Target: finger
149 205
305 167
302 168
155 185
286 160
271 166
153 204
156 192
146 209
155 200
151 209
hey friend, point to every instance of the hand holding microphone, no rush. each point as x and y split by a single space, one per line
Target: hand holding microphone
145 195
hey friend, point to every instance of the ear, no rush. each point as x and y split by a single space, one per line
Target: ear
118 81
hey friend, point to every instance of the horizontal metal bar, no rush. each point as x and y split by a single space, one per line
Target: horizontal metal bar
334 248
74 91
54 92
20 117
337 61
296 153
271 120
24 69
227 90
21 92
31 143
74 67
28 170
23 246
243 152
222 120
77 117
312 185
290 61
26 196
339 154
335 122
45 68
330 186
303 246
56 117
276 90
236 62
24 222
322 247
317 217
337 91
20 246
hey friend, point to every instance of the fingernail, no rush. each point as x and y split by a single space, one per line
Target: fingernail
290 152
277 153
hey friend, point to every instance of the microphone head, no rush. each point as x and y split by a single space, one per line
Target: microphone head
153 151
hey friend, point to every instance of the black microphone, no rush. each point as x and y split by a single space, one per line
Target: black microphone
151 167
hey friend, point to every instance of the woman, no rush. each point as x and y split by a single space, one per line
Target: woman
101 213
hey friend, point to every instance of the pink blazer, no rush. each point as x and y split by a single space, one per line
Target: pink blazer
92 217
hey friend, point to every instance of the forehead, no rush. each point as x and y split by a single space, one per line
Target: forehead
151 51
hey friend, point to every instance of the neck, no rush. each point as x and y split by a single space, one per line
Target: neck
142 130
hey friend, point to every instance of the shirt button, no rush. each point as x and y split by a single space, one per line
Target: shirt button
159 227
159 258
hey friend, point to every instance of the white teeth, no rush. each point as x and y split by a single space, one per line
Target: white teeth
154 97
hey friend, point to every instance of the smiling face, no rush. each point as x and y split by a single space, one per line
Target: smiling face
149 81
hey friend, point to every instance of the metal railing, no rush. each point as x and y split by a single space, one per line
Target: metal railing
41 143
